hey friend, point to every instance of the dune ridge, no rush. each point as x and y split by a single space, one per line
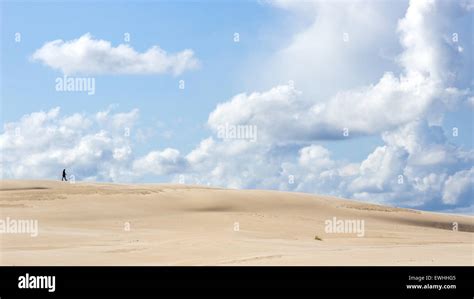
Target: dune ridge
171 224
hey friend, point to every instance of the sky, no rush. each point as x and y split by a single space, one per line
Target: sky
368 100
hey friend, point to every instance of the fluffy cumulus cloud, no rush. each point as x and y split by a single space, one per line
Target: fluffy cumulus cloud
91 147
458 187
281 113
422 89
415 165
163 162
90 56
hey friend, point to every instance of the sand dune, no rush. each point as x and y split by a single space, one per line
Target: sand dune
109 224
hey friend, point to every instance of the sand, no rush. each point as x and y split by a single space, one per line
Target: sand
115 224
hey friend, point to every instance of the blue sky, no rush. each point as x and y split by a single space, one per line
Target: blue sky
173 26
301 73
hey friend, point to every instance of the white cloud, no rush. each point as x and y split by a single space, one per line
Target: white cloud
421 90
406 109
40 144
379 169
315 157
282 113
459 187
320 60
422 156
89 56
163 162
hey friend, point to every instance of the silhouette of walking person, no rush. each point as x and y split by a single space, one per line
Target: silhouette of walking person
64 178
